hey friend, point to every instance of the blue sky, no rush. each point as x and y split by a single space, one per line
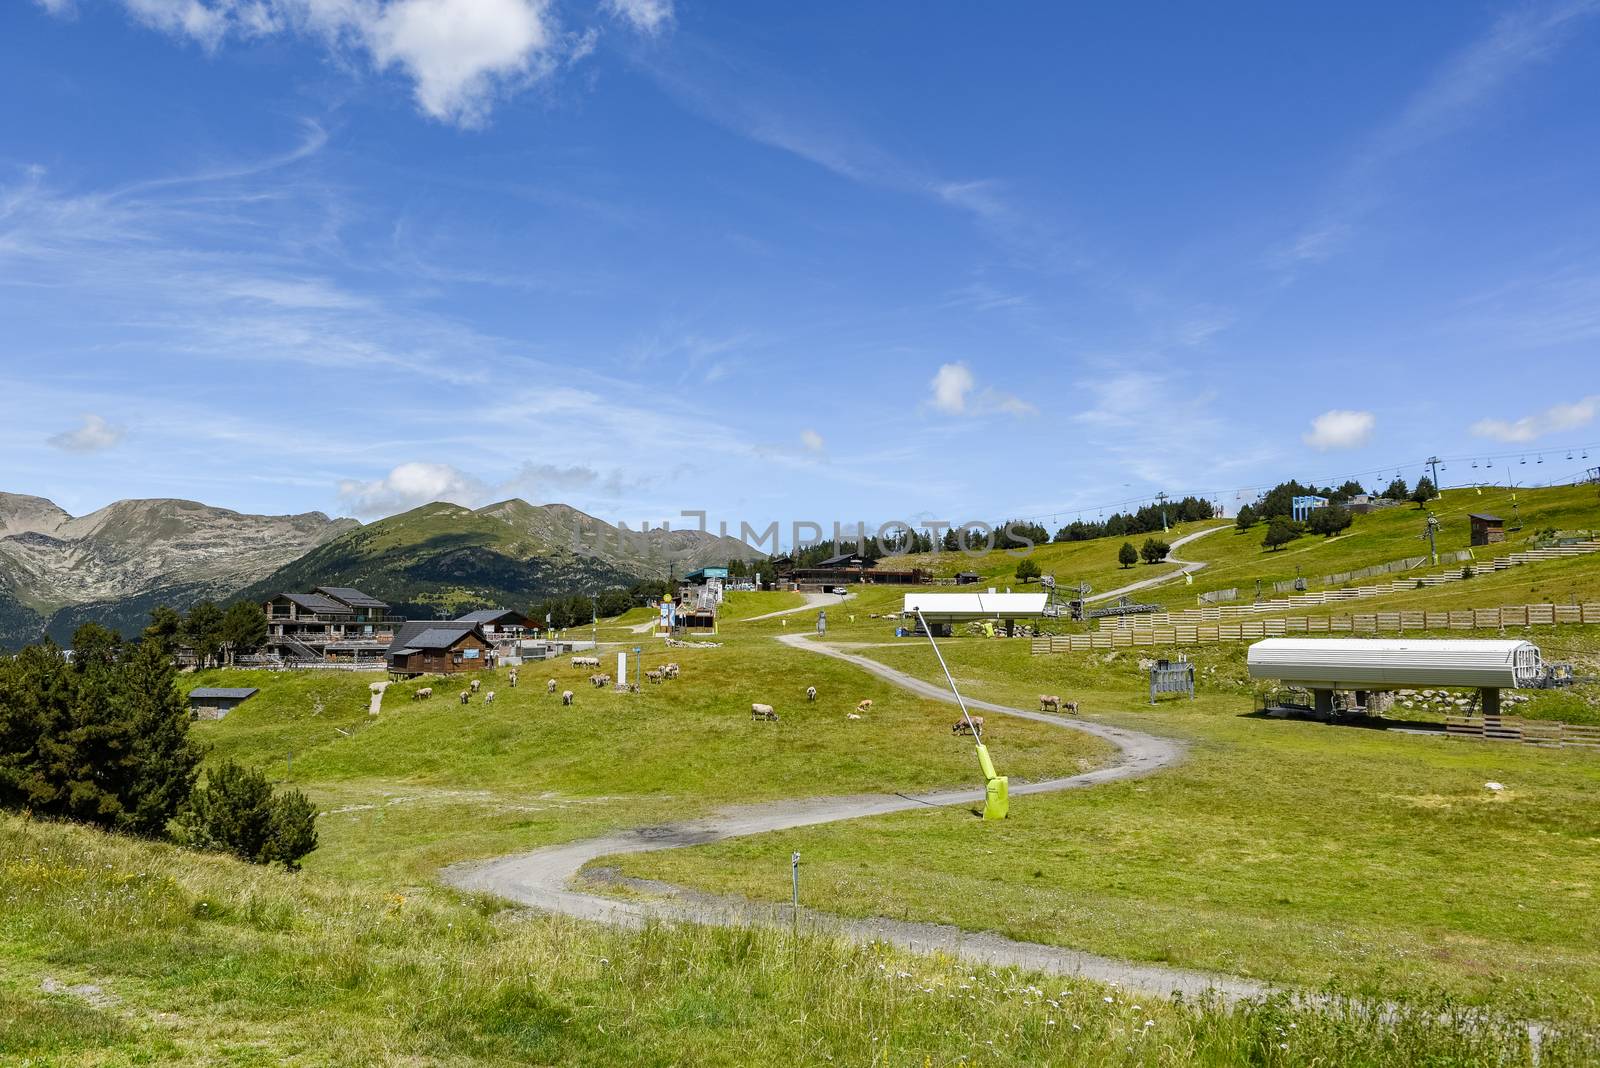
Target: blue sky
824 262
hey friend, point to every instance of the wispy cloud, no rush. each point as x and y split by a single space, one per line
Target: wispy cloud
811 440
646 16
1466 85
95 434
1552 420
789 117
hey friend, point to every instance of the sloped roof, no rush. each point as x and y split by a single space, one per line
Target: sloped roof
352 597
485 616
236 693
429 634
1485 518
844 558
315 602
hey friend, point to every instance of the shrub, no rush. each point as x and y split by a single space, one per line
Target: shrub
1027 570
1127 556
1281 531
1154 550
236 811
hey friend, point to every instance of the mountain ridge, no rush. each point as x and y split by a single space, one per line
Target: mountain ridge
114 564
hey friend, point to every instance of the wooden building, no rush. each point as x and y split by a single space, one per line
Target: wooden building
1487 529
843 570
330 623
440 648
500 623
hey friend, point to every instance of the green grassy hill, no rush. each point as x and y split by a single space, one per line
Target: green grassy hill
442 559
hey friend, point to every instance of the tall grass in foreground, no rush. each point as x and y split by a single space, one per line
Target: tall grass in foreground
201 959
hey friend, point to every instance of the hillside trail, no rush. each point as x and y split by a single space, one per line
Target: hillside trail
545 879
1189 567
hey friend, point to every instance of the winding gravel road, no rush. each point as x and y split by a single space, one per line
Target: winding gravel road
1189 567
544 878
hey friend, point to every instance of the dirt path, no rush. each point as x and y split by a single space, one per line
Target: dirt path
813 600
544 878
1189 567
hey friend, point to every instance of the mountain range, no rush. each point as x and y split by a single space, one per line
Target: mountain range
113 565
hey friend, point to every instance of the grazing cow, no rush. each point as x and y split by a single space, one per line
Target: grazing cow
599 681
586 661
1071 707
1049 703
550 686
961 726
475 684
488 698
811 693
466 695
512 678
422 694
669 671
864 706
851 715
566 697
758 711
653 676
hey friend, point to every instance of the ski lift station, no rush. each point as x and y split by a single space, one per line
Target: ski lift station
1367 665
942 610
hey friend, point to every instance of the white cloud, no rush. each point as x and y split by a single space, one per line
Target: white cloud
811 440
950 388
63 8
93 436
460 55
1341 429
956 392
459 52
410 485
1550 421
646 16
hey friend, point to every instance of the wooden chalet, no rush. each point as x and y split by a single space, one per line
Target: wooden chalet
437 647
1487 529
843 570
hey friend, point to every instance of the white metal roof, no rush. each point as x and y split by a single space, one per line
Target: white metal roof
957 607
1342 663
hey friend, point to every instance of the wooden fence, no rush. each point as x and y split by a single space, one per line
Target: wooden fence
1350 593
1543 732
1204 633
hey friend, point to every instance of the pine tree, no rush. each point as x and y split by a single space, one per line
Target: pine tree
1424 492
243 629
1246 517
202 630
1127 556
1027 570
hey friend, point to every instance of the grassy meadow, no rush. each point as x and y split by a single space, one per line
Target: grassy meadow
426 783
1368 862
118 952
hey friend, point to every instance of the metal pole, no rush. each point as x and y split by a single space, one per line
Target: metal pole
945 668
794 874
